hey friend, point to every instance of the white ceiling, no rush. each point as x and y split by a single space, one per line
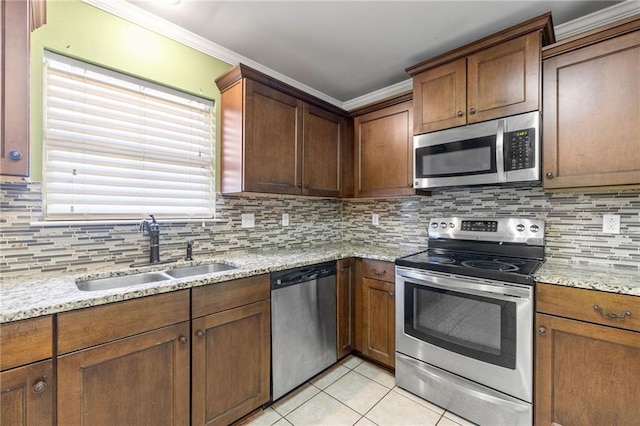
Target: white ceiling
347 49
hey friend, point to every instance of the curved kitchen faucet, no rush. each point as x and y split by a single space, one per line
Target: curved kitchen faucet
153 229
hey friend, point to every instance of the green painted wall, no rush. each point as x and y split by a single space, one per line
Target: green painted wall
84 32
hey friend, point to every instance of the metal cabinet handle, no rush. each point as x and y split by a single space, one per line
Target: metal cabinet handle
378 273
459 114
410 185
542 331
183 340
391 294
472 111
40 386
299 185
611 315
549 175
15 155
200 334
306 185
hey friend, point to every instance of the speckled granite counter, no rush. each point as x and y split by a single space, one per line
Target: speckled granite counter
34 296
590 277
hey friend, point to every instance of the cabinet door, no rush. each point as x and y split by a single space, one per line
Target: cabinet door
323 135
504 80
384 152
592 115
378 321
345 294
440 97
140 380
586 374
273 150
231 364
26 395
14 90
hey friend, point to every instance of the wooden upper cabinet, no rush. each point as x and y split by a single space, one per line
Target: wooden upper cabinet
384 151
504 80
591 134
277 139
273 126
17 20
494 77
439 97
324 134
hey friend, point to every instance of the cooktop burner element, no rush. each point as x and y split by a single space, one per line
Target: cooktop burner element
504 249
490 264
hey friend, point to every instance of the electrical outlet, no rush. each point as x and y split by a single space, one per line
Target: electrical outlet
611 224
375 219
285 219
248 220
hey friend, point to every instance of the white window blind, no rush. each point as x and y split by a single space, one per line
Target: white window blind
116 147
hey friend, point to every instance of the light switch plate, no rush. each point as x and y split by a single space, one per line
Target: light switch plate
611 224
375 219
248 220
285 219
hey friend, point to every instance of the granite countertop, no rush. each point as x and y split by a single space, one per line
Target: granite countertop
590 277
37 296
30 297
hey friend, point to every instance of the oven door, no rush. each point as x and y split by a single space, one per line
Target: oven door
460 156
476 328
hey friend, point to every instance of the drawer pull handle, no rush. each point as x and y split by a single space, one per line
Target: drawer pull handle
611 315
542 331
183 340
40 387
378 273
200 334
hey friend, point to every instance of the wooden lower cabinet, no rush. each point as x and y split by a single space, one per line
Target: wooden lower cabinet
375 312
26 395
587 357
26 380
346 305
231 363
140 380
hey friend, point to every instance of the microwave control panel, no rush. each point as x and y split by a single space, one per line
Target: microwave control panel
519 149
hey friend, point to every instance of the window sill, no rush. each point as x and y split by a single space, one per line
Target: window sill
59 223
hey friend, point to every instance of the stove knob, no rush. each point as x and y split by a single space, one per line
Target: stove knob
443 225
534 228
434 224
452 225
519 227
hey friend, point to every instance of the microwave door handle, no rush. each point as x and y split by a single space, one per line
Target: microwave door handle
500 151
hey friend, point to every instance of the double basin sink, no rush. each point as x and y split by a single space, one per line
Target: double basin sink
151 277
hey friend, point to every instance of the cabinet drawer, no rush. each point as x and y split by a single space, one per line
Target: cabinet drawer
26 341
379 270
581 304
92 326
230 294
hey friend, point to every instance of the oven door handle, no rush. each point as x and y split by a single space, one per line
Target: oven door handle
468 286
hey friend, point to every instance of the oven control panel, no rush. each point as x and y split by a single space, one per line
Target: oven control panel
514 230
479 225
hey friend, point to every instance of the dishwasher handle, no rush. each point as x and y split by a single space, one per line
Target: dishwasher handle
301 275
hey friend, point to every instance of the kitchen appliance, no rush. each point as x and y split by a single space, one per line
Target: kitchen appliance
464 318
491 152
303 325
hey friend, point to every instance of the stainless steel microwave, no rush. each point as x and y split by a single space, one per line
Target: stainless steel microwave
492 152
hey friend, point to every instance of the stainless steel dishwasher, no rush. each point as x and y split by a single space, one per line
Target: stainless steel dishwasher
303 325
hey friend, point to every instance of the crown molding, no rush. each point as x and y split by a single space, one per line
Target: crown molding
379 95
596 19
141 17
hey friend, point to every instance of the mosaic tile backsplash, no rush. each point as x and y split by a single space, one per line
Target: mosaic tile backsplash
573 226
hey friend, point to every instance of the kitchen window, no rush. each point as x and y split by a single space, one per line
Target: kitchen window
118 147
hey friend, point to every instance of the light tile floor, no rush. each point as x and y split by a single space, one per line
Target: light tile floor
354 392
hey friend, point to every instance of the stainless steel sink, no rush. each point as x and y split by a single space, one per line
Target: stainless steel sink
122 281
190 271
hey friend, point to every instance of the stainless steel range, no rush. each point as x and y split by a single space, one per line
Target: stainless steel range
464 318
